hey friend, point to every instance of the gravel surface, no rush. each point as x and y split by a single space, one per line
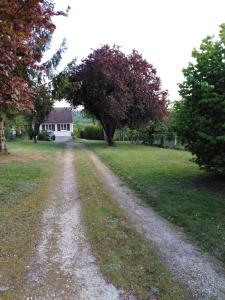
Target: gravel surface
200 273
63 266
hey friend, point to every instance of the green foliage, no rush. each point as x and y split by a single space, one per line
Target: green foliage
77 131
159 133
51 65
15 126
81 118
92 132
122 134
43 136
200 116
62 85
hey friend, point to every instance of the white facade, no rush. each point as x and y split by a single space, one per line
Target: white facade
60 121
61 130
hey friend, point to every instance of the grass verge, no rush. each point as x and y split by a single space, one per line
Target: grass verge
175 187
124 257
25 182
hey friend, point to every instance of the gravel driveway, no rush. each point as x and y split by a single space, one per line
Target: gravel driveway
63 266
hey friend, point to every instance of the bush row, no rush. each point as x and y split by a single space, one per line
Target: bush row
90 132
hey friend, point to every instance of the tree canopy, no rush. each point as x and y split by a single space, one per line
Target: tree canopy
119 90
200 116
25 29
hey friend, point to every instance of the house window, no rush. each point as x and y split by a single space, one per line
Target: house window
43 127
68 127
63 127
53 127
58 127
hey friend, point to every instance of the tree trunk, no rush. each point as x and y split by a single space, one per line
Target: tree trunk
162 141
109 130
110 140
35 139
151 131
36 131
151 140
175 141
3 148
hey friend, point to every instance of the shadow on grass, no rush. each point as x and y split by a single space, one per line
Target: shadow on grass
211 182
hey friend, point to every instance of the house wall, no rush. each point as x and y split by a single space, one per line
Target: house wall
63 132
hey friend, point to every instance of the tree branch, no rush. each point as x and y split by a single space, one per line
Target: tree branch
22 7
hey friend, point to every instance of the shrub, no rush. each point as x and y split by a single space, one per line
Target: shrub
200 116
15 126
43 136
77 131
92 132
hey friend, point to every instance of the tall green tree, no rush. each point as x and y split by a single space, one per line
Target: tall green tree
200 115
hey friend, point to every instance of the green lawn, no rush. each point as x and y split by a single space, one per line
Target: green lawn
25 181
175 187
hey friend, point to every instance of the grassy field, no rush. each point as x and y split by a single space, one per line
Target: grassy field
25 177
124 257
175 187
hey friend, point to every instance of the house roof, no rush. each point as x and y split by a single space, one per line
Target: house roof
60 115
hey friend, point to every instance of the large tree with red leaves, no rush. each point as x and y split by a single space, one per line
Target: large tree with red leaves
119 90
25 29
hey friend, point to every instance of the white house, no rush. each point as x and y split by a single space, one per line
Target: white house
60 121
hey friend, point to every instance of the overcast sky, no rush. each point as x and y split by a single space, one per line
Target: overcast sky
163 31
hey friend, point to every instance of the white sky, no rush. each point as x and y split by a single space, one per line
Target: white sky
164 31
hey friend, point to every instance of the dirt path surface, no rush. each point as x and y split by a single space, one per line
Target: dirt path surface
200 273
63 266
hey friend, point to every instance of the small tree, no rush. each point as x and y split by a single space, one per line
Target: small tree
118 90
41 83
15 125
200 116
43 104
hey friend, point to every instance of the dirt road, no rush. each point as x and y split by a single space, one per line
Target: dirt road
63 266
